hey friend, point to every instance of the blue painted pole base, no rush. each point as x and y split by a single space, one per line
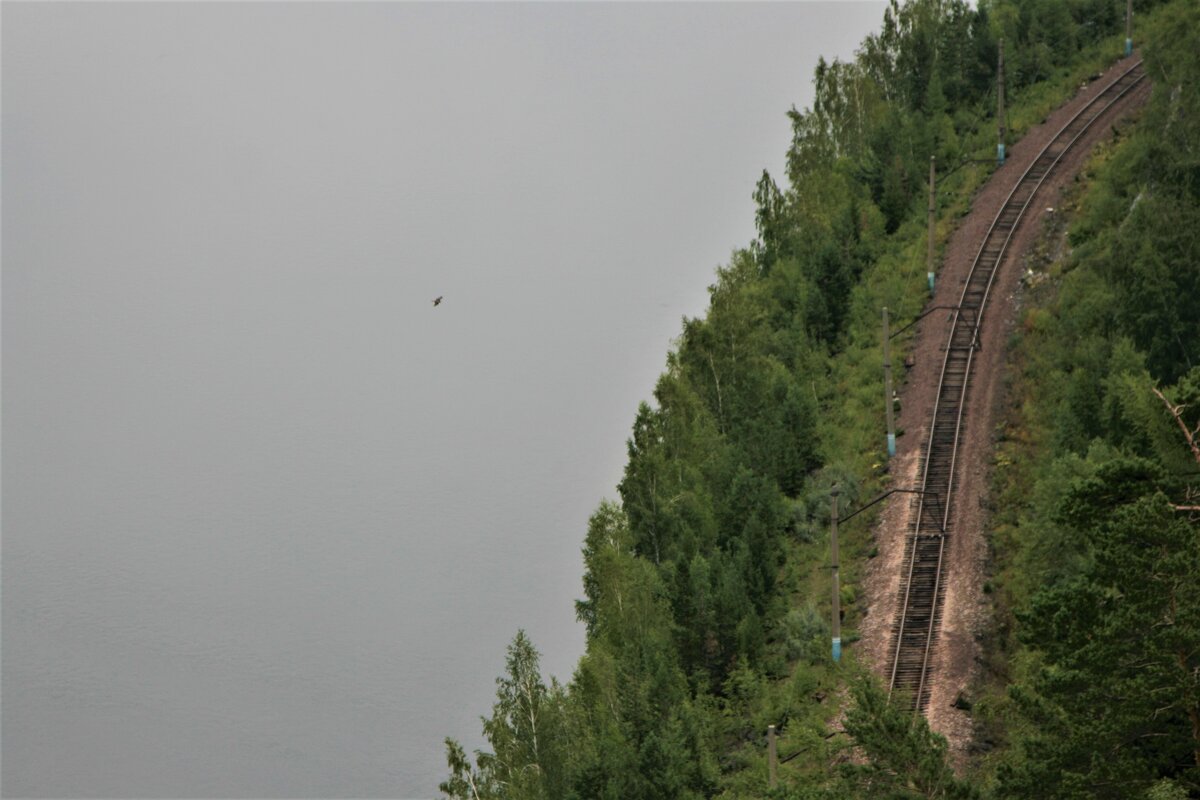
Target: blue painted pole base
1129 47
930 275
1000 153
891 445
837 649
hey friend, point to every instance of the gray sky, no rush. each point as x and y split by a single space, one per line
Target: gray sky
270 519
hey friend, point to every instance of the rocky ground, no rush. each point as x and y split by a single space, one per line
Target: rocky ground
965 616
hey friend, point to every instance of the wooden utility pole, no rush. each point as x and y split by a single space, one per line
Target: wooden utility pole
772 762
887 386
1000 104
837 595
1128 27
929 264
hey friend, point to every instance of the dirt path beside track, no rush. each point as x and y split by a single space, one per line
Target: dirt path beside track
955 658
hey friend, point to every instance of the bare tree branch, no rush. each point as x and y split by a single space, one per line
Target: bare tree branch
1176 411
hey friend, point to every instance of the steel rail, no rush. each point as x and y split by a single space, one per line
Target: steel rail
1032 181
1016 223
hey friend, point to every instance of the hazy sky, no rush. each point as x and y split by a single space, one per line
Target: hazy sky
269 518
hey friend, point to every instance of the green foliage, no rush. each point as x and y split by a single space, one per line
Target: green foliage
527 733
905 760
804 634
706 601
466 783
1166 790
1097 595
1115 697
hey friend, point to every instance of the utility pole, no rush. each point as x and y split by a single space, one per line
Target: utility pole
837 599
1128 27
1000 105
772 763
887 386
929 265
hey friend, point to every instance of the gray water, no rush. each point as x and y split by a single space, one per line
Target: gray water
269 517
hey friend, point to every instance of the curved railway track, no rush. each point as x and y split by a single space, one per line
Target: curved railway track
919 607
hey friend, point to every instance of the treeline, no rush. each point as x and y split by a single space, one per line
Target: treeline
1100 546
700 589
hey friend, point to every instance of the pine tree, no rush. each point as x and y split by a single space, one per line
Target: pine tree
1116 700
905 759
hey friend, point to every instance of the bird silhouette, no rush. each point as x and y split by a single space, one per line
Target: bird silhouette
437 300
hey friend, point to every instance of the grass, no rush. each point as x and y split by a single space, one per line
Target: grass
852 427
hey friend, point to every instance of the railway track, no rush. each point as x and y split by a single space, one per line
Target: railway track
914 633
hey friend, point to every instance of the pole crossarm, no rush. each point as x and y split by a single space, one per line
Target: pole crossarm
966 161
963 163
887 494
931 237
786 759
922 316
942 175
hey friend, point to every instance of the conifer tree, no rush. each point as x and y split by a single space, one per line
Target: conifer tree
905 760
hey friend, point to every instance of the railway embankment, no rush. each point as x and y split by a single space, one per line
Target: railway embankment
926 606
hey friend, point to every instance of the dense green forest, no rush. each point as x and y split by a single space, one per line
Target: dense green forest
706 602
1098 542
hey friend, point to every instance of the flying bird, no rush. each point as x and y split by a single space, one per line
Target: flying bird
437 300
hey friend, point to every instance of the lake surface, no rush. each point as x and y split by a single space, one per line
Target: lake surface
270 517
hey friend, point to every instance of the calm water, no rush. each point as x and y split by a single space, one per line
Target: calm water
270 518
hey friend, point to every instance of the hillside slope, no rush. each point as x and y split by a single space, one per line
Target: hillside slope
707 599
964 617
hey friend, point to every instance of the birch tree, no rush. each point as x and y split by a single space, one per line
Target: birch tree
526 732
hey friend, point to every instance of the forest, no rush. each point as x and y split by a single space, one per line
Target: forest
706 597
